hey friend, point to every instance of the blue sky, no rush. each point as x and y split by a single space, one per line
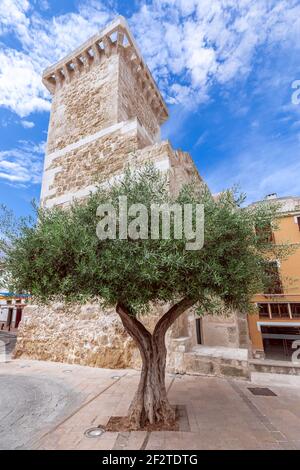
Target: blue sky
225 68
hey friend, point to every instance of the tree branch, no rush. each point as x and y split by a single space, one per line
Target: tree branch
135 329
171 315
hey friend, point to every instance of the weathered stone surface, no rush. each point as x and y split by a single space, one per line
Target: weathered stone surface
220 331
78 334
274 367
87 104
105 115
103 160
177 347
197 366
90 335
220 361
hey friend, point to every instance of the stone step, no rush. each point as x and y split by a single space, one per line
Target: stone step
267 371
217 361
274 367
270 379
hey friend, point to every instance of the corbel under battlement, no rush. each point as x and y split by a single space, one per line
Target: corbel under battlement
115 37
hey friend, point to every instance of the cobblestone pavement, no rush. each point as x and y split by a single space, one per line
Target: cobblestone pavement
46 405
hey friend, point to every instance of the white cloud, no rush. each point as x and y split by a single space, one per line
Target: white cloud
27 124
188 44
21 89
211 40
13 13
43 43
23 164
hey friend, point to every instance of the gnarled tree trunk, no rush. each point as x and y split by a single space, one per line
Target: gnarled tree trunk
150 404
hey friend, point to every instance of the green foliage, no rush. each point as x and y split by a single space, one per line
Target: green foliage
60 255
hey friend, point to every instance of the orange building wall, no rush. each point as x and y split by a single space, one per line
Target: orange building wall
255 335
287 232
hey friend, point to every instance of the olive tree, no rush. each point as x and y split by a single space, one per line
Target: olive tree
59 254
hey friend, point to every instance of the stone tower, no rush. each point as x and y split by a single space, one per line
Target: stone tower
106 113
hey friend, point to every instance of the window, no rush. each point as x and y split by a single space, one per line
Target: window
273 283
298 221
279 310
263 310
295 309
274 311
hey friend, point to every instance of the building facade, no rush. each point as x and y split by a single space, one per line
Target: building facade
276 325
11 308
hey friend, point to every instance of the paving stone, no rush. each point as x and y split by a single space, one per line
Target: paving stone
220 416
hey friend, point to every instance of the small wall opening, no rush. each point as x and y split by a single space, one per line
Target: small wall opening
199 331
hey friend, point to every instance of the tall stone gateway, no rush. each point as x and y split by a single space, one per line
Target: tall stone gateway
106 114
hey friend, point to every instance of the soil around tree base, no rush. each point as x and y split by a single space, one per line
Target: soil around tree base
123 424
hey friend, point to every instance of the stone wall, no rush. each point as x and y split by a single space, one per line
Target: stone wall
87 104
104 95
132 102
80 168
106 114
220 331
77 171
81 334
90 335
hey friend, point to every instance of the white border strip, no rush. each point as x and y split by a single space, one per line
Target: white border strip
276 323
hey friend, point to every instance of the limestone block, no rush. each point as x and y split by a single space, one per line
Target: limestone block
220 331
81 334
177 347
